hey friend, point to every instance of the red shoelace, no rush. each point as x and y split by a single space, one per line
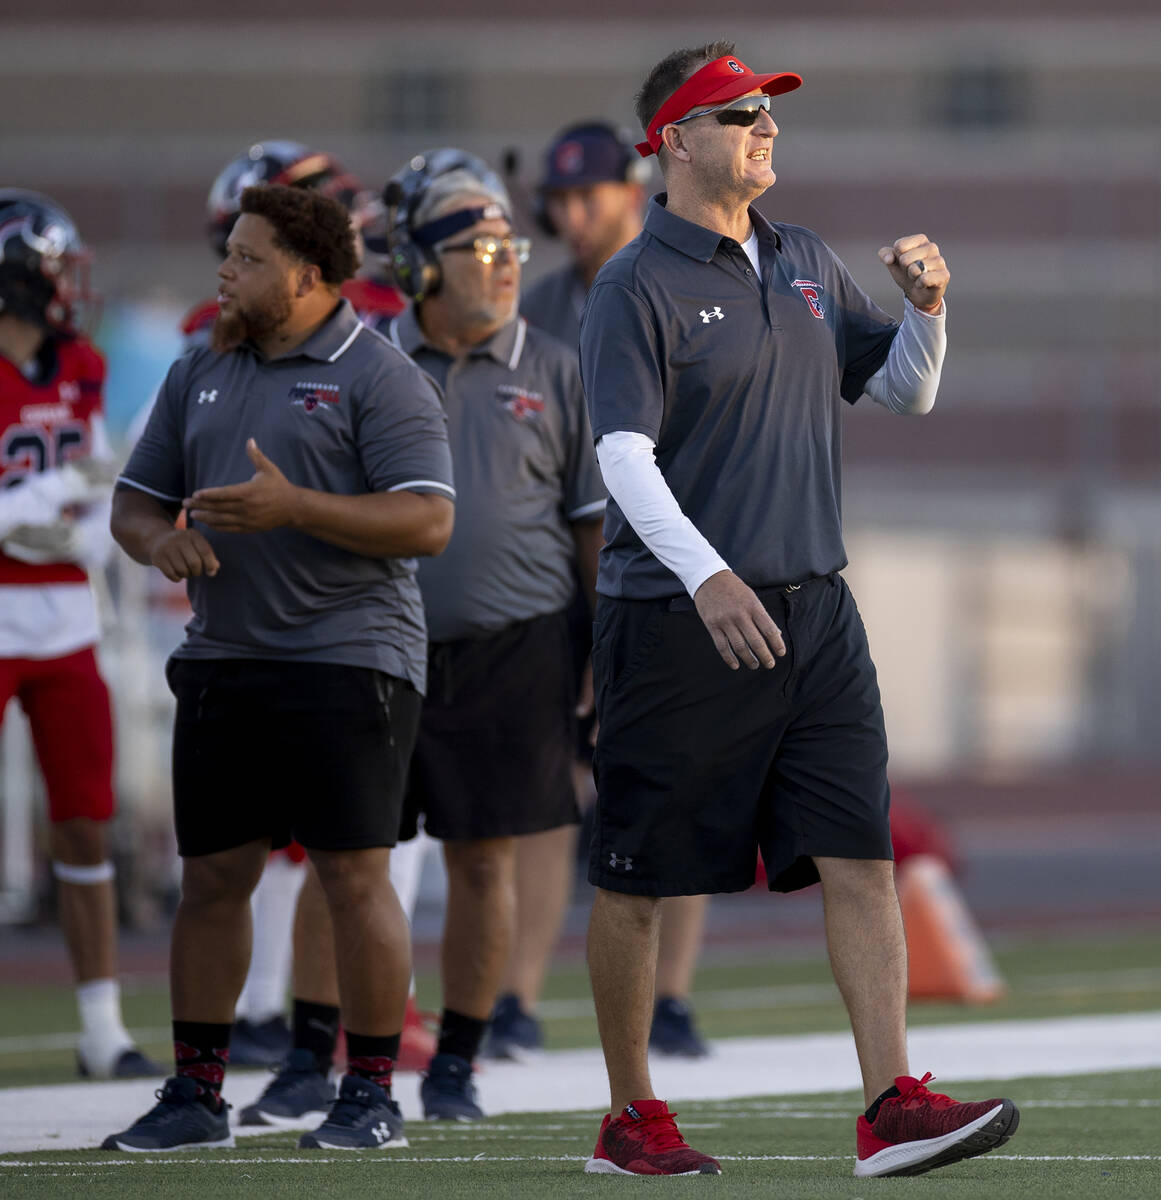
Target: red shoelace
919 1094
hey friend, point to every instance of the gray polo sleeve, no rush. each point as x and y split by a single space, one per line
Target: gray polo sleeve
157 463
401 431
621 362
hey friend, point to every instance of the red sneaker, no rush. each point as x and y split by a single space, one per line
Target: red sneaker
918 1130
644 1140
417 1043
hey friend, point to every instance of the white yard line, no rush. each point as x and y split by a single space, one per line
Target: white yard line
76 1116
17 1168
1130 979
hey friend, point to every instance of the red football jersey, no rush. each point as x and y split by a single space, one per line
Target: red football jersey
44 425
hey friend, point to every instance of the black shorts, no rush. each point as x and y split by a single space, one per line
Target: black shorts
314 752
494 752
698 767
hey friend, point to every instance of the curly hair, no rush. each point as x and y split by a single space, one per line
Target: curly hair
670 73
308 226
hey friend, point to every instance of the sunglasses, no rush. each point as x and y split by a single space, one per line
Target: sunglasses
735 112
488 249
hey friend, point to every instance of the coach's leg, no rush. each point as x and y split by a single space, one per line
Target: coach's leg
544 879
316 978
622 954
480 923
864 933
371 938
211 932
682 924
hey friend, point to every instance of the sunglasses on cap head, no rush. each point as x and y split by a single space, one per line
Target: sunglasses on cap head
488 249
743 111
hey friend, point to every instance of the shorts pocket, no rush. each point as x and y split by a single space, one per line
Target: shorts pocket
633 645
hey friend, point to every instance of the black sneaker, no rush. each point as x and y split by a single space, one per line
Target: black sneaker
260 1043
447 1091
363 1117
512 1033
178 1120
297 1097
674 1031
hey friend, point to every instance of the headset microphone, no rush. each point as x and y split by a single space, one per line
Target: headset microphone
392 199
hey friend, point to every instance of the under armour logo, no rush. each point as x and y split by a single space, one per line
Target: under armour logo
381 1132
207 397
616 863
707 317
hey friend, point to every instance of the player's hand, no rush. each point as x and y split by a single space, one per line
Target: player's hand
585 700
59 541
742 630
265 501
918 268
183 554
99 474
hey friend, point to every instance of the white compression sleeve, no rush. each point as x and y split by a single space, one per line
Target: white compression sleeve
635 481
909 379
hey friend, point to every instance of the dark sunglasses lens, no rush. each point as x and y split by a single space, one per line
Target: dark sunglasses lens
745 113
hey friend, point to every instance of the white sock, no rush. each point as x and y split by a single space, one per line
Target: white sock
103 1034
272 905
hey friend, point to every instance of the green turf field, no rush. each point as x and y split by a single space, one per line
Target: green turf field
784 994
1079 1137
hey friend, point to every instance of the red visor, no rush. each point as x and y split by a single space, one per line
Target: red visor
723 79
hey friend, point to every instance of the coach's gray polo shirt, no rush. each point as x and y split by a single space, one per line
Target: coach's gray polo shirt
739 382
525 469
344 413
554 303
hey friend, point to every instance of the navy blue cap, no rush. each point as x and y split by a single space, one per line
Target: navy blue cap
590 153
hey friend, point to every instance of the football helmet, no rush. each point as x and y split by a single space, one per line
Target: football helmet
289 163
44 264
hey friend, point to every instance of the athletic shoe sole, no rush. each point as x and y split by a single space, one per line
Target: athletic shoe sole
226 1143
256 1119
914 1158
605 1166
318 1144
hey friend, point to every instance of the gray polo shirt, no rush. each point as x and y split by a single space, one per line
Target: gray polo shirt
344 413
739 380
525 470
554 303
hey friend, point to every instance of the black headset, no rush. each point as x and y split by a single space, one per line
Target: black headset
628 167
415 265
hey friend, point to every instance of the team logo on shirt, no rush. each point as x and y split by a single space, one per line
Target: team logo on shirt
311 395
523 405
810 291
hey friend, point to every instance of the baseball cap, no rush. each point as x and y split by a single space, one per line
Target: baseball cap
588 153
723 79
